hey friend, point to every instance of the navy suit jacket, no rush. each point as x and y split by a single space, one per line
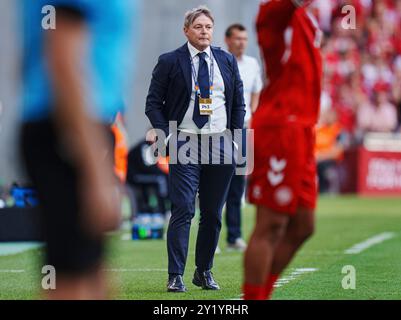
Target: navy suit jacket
171 88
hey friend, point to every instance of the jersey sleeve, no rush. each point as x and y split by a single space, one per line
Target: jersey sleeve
275 32
276 14
272 23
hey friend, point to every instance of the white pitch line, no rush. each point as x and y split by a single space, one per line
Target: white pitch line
126 237
12 271
295 274
135 270
11 248
359 247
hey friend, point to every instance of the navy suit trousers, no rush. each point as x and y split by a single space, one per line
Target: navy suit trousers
211 182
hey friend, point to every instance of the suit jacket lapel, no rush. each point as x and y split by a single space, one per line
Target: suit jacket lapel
185 63
224 69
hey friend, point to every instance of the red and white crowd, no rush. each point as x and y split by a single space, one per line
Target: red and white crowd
362 72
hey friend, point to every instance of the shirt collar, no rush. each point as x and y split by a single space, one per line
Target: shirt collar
193 51
241 59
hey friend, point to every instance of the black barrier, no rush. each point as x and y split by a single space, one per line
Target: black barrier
20 224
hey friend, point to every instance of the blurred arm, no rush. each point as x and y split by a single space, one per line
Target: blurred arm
238 108
84 138
255 101
65 50
257 88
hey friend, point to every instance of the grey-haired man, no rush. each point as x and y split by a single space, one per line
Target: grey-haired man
192 76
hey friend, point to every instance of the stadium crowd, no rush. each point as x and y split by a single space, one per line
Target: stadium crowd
362 78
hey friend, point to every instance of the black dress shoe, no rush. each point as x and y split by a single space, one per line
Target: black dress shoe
176 284
205 280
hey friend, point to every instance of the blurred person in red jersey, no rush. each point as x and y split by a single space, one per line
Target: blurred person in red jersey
250 72
283 183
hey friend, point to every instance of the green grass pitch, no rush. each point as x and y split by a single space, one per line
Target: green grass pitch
137 269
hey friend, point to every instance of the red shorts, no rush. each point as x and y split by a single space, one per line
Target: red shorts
284 176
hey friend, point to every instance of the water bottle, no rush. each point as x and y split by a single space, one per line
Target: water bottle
135 228
141 228
157 226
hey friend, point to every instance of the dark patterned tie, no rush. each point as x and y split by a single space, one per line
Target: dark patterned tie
204 86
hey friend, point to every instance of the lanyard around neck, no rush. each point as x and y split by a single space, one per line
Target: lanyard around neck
195 76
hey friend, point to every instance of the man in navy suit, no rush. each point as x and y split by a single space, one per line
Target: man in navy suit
198 87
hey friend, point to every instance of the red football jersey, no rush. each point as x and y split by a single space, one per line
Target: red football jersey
289 38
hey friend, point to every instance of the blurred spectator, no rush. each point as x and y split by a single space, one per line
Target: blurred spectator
362 61
330 145
396 90
378 117
120 147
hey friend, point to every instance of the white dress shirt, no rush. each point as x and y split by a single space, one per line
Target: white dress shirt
218 120
250 72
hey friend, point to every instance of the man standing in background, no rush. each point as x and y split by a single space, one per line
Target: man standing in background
237 43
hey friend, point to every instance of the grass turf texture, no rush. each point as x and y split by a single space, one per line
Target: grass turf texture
137 268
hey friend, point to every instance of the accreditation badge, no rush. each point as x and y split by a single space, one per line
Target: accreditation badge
205 107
